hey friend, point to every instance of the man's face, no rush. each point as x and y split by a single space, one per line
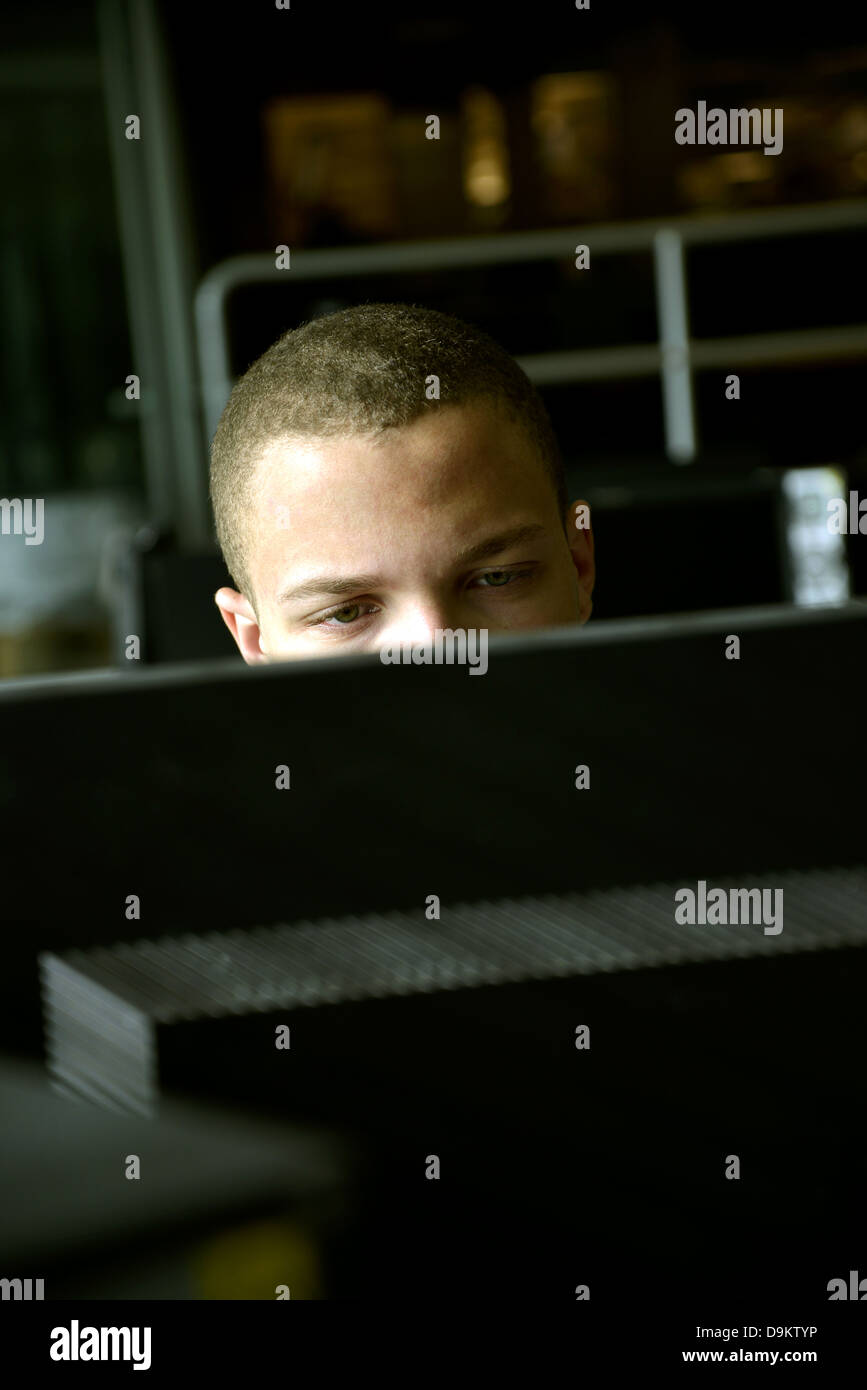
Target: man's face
362 542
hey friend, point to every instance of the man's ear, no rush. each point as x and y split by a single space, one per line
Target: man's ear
579 533
242 623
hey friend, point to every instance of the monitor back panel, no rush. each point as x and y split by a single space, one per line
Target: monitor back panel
402 781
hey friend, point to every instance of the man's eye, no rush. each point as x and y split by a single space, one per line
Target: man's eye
346 615
498 579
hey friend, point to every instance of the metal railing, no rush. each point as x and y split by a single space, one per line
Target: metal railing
675 356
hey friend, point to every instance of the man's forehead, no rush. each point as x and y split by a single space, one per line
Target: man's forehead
445 441
397 501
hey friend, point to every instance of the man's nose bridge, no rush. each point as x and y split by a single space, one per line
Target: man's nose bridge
421 623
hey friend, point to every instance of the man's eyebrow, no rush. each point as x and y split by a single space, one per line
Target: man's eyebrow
340 586
324 585
504 541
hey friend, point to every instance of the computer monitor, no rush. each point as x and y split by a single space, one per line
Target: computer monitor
611 758
210 796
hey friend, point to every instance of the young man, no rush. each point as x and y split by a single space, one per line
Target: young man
386 472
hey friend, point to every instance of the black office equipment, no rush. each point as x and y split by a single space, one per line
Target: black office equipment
604 1164
411 780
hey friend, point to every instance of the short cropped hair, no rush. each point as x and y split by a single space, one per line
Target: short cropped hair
360 370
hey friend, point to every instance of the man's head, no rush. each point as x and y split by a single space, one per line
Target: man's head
386 471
